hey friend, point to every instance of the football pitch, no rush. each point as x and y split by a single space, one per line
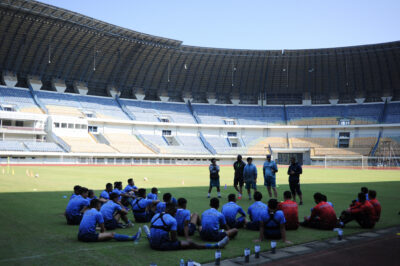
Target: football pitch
33 200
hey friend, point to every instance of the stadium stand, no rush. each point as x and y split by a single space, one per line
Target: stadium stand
155 111
43 147
182 144
12 145
393 113
260 146
312 142
86 144
20 98
127 143
341 151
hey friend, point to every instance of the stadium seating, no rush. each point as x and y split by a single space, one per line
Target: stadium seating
243 115
342 151
43 147
393 113
388 146
260 146
76 105
12 145
187 145
152 111
20 98
87 144
126 143
222 146
312 142
363 142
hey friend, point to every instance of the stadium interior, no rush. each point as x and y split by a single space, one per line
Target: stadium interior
77 90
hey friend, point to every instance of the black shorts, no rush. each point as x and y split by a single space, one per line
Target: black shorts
168 245
192 229
74 219
295 188
212 236
144 218
238 181
253 225
88 237
111 224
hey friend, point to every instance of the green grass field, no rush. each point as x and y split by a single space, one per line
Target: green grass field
34 231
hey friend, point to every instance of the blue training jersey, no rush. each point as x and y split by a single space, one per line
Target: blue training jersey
230 211
161 207
250 173
272 225
108 209
211 220
105 195
161 225
181 216
152 196
129 188
256 210
268 167
75 205
89 221
139 206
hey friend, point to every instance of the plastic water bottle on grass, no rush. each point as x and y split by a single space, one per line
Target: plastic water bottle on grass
182 262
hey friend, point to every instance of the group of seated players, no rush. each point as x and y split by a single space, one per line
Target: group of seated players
170 217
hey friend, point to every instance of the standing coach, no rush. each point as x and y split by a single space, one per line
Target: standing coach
294 173
238 166
214 177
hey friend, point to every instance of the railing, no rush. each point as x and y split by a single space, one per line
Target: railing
61 142
125 109
37 100
148 144
194 113
206 144
22 128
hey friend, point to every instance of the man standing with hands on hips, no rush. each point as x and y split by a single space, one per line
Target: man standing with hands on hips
294 173
214 177
269 170
238 180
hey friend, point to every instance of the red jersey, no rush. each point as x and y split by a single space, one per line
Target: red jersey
290 210
326 214
377 207
366 208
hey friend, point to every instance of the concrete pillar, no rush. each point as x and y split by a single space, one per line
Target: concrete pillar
10 79
59 85
82 88
35 82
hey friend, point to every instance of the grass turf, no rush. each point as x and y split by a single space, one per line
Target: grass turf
33 229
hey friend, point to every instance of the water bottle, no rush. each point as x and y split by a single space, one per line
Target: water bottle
273 247
153 264
190 263
257 251
246 255
340 234
217 257
182 262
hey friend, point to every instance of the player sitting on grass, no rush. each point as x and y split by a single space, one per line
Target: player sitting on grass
325 198
130 187
375 203
230 210
250 176
255 212
128 193
211 222
76 207
187 222
272 224
92 196
154 194
112 212
323 215
161 205
105 194
362 211
76 192
290 210
123 196
142 208
163 233
93 217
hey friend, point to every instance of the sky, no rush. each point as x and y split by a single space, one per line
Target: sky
251 24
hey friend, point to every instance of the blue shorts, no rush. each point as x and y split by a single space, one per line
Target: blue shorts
88 237
74 219
254 226
238 223
270 181
111 224
214 236
214 182
168 245
251 184
192 229
145 218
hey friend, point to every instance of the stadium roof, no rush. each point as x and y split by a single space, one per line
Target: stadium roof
53 43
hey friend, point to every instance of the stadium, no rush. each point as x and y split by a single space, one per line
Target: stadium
86 102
